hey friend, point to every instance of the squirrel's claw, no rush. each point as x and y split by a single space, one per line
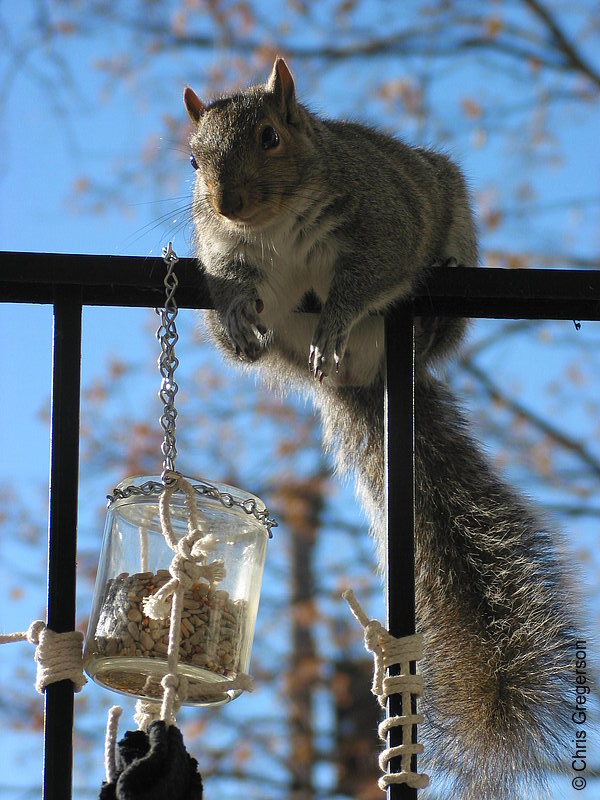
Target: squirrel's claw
328 347
317 364
320 359
243 327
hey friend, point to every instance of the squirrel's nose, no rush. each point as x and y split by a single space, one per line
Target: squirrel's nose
229 201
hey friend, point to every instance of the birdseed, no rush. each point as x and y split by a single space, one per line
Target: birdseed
211 630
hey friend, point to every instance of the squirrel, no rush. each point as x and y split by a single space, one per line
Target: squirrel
309 230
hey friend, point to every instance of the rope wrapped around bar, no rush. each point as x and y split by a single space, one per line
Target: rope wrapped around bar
58 655
389 651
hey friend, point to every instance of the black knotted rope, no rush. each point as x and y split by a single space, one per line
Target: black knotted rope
153 765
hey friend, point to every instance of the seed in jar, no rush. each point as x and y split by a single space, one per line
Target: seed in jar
134 631
187 627
210 624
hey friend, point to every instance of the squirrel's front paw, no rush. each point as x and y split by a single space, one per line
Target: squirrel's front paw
244 328
326 351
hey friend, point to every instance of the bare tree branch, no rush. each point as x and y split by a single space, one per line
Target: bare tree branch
554 433
574 59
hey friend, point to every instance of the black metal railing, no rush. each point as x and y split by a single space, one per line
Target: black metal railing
70 282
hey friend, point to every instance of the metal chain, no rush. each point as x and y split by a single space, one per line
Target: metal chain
248 506
168 363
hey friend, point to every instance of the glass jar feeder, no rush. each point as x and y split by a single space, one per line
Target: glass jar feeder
125 648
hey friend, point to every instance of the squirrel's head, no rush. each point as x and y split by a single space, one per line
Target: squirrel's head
248 150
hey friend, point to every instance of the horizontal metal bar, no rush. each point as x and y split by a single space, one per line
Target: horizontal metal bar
104 280
460 291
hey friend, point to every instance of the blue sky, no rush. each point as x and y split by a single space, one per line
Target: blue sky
42 157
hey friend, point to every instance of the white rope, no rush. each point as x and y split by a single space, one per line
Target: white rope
59 656
146 516
187 568
146 711
110 742
387 651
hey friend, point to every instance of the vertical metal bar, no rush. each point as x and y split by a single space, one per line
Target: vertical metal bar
62 534
400 495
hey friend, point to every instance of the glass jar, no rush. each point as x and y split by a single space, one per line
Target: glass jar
125 649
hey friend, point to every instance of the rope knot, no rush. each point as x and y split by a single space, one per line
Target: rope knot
389 651
170 681
59 656
35 630
185 571
146 711
188 567
156 606
372 634
201 547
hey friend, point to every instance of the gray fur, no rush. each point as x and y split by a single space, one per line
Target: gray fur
356 219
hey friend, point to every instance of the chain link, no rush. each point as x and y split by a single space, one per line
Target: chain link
203 489
168 362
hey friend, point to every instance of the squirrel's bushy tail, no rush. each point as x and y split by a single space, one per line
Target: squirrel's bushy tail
492 600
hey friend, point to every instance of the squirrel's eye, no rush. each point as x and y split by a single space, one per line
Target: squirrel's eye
193 161
269 138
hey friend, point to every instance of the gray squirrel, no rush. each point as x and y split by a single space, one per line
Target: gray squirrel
293 212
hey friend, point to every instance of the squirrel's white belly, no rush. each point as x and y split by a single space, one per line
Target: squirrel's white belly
290 272
293 261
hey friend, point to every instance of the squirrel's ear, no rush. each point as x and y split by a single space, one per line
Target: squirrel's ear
281 83
193 105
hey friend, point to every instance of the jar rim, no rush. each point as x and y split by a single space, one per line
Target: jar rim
229 496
